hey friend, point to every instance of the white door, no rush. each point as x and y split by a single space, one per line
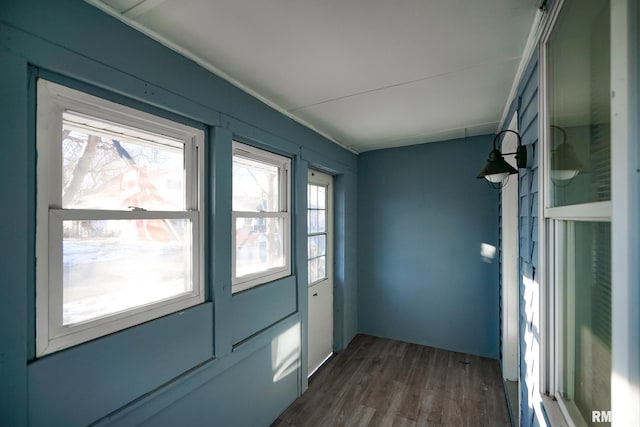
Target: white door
320 266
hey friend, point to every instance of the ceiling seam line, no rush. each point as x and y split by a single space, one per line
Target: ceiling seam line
127 10
418 135
401 84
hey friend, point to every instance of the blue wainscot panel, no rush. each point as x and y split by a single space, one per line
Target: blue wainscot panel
78 386
252 393
257 308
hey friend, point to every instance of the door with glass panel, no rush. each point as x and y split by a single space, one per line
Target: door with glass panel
320 268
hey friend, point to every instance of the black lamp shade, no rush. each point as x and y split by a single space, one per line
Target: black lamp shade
497 169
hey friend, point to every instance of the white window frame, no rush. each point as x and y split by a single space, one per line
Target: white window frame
284 171
549 234
52 100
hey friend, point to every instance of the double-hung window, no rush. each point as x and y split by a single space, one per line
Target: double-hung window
119 217
261 216
577 211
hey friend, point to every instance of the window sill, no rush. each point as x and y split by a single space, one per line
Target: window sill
554 413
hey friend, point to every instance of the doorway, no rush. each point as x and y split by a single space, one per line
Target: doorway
320 268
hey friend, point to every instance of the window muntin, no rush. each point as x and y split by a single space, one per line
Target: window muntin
261 201
118 218
577 212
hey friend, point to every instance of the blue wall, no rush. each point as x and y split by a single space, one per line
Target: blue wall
213 363
422 217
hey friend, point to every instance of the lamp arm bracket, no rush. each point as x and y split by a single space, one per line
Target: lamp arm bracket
495 138
521 151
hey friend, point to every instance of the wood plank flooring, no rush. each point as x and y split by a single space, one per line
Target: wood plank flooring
383 382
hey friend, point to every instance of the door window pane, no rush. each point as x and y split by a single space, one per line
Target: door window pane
322 267
312 221
317 221
312 196
317 269
585 284
322 197
313 270
579 104
317 245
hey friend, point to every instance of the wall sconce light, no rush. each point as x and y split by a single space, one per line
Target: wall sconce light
497 170
564 163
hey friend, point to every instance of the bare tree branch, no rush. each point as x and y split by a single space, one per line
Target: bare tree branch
71 190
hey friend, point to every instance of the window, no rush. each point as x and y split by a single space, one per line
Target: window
578 208
318 231
261 217
119 217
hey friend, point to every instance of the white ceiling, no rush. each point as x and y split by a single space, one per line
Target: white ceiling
368 74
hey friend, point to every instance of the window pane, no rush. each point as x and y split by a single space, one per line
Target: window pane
317 269
579 104
255 186
321 242
313 270
322 221
322 267
312 195
116 265
259 245
585 283
312 247
312 221
107 166
322 197
316 245
317 197
316 221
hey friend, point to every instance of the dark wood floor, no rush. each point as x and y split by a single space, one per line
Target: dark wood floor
383 382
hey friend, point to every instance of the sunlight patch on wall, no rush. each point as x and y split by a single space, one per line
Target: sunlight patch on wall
532 356
487 252
285 353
